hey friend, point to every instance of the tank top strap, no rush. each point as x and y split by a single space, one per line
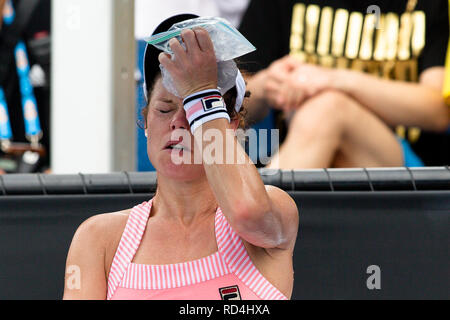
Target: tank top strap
230 245
128 245
233 252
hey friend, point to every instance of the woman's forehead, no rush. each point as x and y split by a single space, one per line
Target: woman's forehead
159 92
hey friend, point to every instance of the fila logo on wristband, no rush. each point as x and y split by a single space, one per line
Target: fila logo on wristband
212 102
202 94
204 106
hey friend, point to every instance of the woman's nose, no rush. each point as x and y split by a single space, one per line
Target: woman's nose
179 121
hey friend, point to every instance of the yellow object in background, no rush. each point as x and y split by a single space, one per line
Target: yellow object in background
447 78
446 91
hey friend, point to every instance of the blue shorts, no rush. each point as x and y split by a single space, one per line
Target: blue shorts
410 159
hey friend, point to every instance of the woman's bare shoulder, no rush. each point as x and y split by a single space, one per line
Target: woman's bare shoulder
102 228
91 249
109 220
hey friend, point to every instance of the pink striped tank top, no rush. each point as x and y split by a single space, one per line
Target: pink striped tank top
228 274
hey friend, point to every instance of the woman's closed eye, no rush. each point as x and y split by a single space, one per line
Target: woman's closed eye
165 106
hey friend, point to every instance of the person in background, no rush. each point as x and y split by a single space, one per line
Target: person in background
26 22
351 88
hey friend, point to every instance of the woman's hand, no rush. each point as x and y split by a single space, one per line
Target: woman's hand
193 69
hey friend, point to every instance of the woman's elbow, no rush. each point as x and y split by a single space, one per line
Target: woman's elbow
248 211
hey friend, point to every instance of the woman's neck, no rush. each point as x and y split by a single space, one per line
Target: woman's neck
186 202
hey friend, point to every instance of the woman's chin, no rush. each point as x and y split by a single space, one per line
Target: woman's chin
179 170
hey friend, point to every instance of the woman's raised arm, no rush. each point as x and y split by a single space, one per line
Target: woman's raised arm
266 217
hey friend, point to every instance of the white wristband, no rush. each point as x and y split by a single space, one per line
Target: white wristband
204 106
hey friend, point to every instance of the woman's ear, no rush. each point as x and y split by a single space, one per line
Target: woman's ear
235 123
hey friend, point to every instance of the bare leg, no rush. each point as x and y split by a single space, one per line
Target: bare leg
2 4
334 130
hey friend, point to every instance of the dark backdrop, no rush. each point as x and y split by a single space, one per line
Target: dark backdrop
404 232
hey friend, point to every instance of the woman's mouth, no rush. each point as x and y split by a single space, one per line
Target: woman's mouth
176 147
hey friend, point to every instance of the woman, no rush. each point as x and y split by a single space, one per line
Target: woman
211 231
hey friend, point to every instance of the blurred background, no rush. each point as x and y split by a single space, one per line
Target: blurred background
71 74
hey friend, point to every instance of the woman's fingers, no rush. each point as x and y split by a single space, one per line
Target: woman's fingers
178 51
190 41
197 39
204 40
165 59
194 67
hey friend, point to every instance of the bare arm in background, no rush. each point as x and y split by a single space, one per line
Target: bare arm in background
2 4
287 83
395 102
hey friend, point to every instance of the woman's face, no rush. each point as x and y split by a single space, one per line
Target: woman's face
170 144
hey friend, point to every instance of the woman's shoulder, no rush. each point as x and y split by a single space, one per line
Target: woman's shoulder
102 229
100 223
89 250
98 237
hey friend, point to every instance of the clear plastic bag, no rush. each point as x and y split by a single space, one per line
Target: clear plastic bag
228 43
